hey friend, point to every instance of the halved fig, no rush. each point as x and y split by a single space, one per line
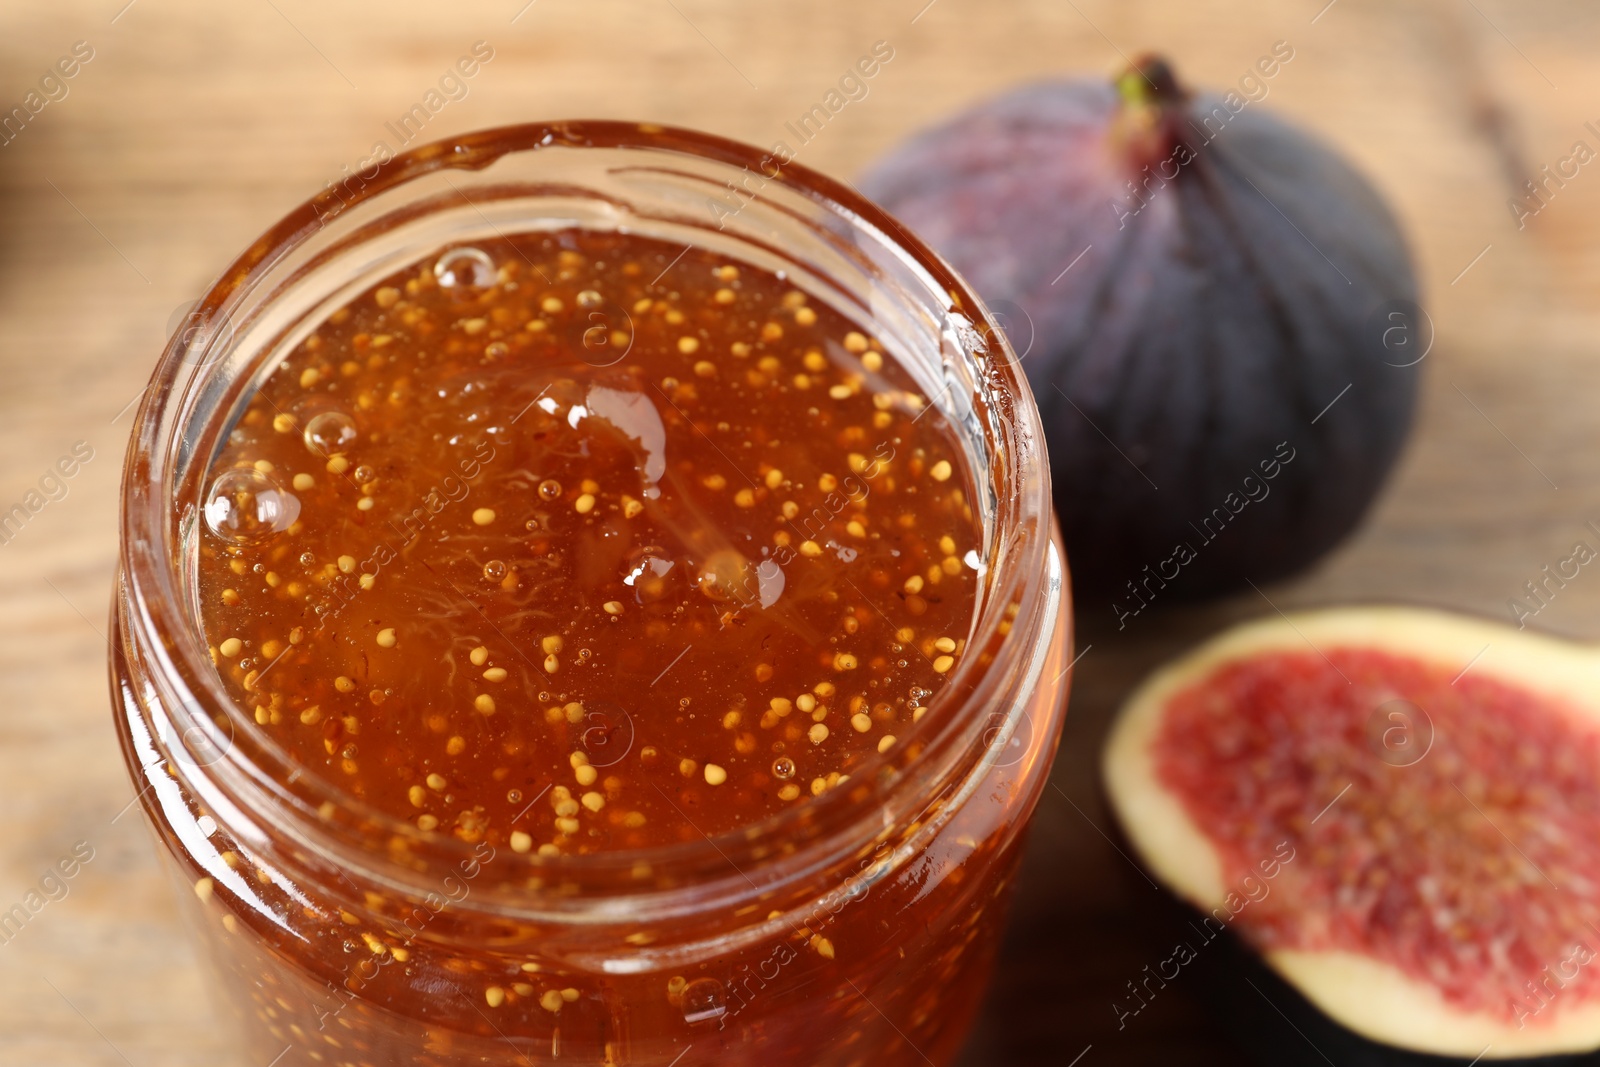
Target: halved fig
1397 809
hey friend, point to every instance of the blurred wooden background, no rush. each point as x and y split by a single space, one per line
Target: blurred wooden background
195 125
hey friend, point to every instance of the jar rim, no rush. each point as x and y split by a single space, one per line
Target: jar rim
163 629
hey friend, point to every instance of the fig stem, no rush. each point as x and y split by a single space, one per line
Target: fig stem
1149 82
1150 96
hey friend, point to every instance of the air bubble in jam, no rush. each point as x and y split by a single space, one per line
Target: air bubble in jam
330 432
246 506
550 489
635 416
704 1001
462 268
651 578
726 576
783 768
495 571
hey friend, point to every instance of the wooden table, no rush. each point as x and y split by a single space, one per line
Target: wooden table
195 125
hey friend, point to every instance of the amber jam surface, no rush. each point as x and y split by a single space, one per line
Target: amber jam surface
577 541
1445 822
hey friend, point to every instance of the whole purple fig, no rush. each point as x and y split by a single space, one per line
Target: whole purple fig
1217 314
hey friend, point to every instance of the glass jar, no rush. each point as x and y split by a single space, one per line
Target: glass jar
856 928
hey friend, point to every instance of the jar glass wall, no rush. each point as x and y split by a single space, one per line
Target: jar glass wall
856 927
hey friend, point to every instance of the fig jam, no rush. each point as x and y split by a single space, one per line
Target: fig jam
553 628
583 541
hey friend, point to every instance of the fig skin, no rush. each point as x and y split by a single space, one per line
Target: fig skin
1231 290
1354 1008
